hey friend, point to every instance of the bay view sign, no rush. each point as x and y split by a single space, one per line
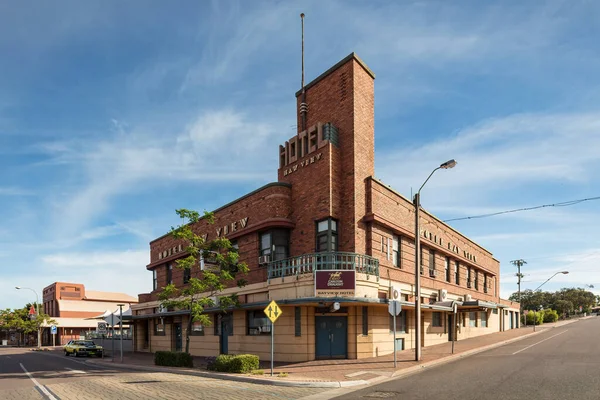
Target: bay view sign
221 231
335 283
452 247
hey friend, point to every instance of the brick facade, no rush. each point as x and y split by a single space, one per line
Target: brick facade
327 171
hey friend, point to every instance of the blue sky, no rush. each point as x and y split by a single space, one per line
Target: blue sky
114 114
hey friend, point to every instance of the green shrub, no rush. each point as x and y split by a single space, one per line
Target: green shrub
242 363
550 315
539 317
220 363
173 359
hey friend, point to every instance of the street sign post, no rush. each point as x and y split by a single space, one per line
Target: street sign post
53 332
454 324
102 330
394 308
273 312
112 319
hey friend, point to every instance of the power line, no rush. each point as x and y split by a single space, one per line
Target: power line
563 204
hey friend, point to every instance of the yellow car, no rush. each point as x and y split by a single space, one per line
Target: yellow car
83 348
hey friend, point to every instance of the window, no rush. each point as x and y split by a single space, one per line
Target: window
447 269
401 325
297 321
422 261
187 274
235 246
431 259
365 321
485 283
327 235
197 329
476 280
169 273
483 319
437 320
154 280
468 276
258 323
396 251
457 273
473 319
275 243
159 328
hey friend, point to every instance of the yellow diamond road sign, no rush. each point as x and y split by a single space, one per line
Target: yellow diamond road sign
273 311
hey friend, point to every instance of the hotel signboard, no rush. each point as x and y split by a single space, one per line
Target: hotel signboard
335 283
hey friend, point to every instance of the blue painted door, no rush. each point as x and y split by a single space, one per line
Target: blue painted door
226 330
331 337
177 334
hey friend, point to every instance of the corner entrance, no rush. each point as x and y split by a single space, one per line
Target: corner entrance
331 337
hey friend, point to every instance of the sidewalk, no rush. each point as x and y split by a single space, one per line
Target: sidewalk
341 373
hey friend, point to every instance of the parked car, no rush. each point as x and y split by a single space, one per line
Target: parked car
83 348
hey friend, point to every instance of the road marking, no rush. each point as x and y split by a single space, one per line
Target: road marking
76 371
523 349
37 384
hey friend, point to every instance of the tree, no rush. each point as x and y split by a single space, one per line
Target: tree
19 320
205 286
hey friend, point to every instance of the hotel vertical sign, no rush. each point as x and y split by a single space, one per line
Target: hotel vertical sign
335 283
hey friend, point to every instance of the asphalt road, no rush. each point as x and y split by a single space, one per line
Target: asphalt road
29 375
559 363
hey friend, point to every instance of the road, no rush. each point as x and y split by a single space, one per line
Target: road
29 375
559 363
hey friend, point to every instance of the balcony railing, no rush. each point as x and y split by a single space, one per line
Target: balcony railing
307 263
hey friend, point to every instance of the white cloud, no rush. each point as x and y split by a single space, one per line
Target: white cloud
501 152
217 146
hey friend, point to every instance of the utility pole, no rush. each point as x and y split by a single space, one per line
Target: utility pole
519 263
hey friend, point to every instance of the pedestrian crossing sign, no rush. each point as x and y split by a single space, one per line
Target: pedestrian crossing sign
273 311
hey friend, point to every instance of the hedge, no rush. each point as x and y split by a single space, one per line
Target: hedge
242 363
173 359
550 315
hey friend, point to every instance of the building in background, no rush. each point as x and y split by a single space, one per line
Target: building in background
331 244
77 310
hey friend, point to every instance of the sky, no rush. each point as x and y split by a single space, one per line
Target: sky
114 114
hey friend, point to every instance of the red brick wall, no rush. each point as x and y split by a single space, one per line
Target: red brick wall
266 208
393 214
344 96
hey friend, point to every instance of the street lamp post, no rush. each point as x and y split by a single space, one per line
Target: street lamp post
37 305
417 203
121 328
536 289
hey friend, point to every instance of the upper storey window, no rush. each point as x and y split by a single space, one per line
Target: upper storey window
275 243
327 235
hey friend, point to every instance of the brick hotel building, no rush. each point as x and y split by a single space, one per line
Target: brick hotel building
331 244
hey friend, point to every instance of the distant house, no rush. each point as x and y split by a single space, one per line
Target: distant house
77 310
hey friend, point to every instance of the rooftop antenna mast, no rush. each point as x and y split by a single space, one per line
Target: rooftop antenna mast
303 105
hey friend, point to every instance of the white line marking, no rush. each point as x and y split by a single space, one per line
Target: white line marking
539 342
41 387
76 371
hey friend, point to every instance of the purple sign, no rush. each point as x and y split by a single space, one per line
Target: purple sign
335 283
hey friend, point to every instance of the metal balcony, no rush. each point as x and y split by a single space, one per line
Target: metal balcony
307 263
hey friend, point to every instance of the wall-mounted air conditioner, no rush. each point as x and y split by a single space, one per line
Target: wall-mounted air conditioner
394 293
469 284
443 295
262 260
432 273
468 297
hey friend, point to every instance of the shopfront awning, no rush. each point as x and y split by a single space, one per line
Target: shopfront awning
477 305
